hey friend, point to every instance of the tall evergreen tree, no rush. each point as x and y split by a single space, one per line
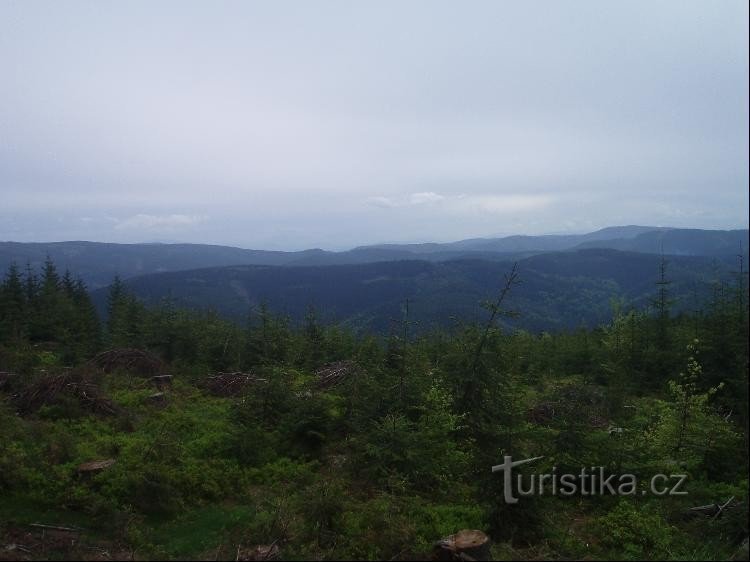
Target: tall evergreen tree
124 317
47 321
86 319
13 309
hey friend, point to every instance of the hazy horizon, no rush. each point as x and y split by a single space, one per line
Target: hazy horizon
288 125
345 248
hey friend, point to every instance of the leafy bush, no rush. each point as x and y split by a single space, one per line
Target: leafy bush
635 533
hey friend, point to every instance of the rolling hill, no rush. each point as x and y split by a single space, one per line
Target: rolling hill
557 291
97 263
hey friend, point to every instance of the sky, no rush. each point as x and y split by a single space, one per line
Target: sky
290 125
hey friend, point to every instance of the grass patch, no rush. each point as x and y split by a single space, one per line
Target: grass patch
200 530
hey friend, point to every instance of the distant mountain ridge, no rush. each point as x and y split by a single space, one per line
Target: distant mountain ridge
97 263
681 242
525 243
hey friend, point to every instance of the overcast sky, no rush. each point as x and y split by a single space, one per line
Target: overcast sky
331 124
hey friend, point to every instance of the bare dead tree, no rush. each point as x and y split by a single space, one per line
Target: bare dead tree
496 310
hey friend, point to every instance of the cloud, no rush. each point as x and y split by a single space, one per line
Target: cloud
464 204
421 198
307 125
158 222
425 197
383 202
504 204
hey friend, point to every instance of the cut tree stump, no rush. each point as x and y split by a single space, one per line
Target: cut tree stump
467 544
162 381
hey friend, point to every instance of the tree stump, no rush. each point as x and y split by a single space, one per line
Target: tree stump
158 399
467 544
162 382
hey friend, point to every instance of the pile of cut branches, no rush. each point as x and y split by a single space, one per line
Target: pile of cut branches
334 373
231 384
48 389
135 361
543 413
582 405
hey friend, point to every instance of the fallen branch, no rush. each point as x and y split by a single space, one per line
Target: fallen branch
722 507
12 547
713 510
56 528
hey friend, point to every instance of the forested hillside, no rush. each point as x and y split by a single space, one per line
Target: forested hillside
165 433
559 290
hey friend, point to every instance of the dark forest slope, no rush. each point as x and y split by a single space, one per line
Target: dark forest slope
557 290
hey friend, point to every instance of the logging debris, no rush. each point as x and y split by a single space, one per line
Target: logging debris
50 388
333 374
259 552
94 466
584 404
231 384
136 361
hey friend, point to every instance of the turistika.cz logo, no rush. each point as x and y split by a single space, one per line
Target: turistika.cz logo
590 481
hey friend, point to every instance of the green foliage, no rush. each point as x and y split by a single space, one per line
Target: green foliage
635 533
394 456
688 429
423 452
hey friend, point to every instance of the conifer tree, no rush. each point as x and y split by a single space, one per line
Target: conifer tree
124 315
662 362
88 329
13 320
47 319
313 352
